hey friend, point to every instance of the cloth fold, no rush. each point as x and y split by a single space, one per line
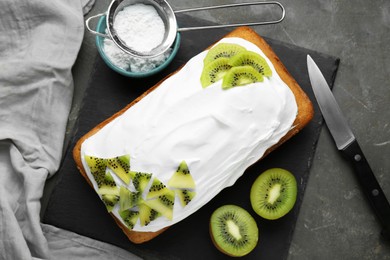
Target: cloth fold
39 43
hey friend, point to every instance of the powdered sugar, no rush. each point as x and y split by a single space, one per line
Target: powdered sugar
140 27
127 62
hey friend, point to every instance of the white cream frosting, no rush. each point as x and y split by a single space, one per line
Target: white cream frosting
219 133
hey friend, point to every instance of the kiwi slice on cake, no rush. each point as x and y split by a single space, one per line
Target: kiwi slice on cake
226 50
128 199
214 71
185 196
233 230
252 59
240 76
273 194
120 165
163 204
182 178
147 214
157 189
109 191
130 217
140 180
108 185
97 167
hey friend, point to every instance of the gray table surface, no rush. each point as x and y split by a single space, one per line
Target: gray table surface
335 221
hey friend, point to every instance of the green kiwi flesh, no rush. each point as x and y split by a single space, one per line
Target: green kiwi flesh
240 76
226 50
157 189
97 167
130 217
252 59
214 71
109 201
109 191
182 178
128 199
163 204
185 196
140 180
147 214
233 230
120 165
273 193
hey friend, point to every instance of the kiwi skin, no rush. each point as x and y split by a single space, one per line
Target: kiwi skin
280 205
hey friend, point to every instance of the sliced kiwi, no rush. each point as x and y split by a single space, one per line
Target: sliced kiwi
163 204
140 180
214 71
109 191
120 165
240 76
109 201
130 217
108 185
97 167
147 214
128 199
233 230
252 59
273 194
185 196
182 178
157 189
220 50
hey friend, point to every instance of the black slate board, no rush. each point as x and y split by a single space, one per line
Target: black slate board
74 206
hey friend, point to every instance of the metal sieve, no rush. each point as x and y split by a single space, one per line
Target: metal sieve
167 15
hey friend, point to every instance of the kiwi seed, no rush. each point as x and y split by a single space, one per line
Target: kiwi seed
273 194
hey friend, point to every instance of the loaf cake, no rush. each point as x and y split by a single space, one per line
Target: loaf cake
170 151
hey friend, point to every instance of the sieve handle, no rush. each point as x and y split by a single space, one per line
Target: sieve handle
92 31
229 6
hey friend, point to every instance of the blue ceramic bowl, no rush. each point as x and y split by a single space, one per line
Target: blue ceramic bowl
101 27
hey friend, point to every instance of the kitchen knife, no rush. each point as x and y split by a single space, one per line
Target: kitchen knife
347 144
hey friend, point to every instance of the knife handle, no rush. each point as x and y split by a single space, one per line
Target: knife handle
370 185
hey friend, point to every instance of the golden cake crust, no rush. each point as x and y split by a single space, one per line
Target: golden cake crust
304 115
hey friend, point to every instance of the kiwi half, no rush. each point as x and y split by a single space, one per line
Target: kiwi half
226 50
273 194
233 230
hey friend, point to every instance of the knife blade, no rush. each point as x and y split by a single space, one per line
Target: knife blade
349 147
